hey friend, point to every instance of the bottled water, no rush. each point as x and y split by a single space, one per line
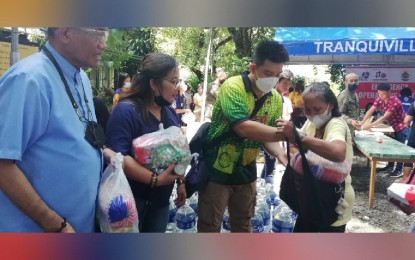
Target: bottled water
193 202
271 196
185 219
257 222
282 222
265 212
226 225
412 228
171 225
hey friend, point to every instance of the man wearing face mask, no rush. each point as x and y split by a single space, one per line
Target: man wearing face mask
349 101
231 164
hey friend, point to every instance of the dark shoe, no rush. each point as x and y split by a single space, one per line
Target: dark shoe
396 174
386 168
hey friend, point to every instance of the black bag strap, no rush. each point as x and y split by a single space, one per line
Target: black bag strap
75 106
258 104
306 167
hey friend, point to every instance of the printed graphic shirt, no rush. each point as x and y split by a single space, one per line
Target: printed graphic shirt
234 161
394 106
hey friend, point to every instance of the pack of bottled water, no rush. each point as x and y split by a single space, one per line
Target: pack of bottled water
171 222
264 210
283 219
226 225
257 222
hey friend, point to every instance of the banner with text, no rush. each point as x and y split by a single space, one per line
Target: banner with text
371 77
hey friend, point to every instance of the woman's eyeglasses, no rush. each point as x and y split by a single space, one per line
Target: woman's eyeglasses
175 83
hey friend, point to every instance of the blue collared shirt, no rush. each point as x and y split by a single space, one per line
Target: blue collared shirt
40 130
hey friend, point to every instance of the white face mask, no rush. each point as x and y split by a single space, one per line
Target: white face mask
127 85
319 120
266 84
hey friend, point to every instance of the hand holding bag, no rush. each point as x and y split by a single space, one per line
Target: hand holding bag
117 211
313 199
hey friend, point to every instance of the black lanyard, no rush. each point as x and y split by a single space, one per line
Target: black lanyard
94 133
68 91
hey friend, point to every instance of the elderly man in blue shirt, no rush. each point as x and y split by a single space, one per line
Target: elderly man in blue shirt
49 167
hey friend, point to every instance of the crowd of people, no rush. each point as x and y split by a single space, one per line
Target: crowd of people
52 154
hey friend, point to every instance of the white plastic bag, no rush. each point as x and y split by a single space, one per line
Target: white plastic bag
159 149
322 168
117 211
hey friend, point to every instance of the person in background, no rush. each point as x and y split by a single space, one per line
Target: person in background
123 86
140 112
49 171
406 99
180 102
328 136
189 97
393 112
282 87
231 165
349 101
212 92
297 116
198 99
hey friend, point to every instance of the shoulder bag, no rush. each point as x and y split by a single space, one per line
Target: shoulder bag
312 199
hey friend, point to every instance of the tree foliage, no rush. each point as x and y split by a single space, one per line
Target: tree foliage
231 48
337 73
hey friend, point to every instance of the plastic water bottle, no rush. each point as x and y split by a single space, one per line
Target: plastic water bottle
271 196
265 212
193 202
257 222
226 225
171 224
185 219
282 222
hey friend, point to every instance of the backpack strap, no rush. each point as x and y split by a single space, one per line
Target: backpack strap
258 104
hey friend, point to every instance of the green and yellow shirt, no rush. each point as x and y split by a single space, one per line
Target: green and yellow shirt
233 162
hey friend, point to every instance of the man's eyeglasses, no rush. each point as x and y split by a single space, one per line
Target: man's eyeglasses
100 35
175 83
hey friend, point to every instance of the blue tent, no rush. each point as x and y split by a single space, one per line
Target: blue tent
349 45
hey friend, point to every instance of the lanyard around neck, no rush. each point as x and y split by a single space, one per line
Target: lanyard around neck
65 83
